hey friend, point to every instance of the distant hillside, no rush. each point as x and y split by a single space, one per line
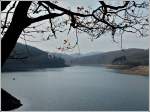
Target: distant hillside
133 55
29 58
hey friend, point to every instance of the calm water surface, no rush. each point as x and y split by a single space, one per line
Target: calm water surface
77 88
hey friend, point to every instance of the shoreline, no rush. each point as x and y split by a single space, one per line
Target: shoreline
136 70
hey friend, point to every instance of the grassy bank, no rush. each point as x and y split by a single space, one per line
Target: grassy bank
137 70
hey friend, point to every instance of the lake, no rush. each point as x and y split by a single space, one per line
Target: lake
88 88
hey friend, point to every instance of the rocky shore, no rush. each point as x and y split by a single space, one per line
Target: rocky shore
137 70
9 102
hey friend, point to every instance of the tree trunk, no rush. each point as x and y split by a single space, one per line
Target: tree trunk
19 22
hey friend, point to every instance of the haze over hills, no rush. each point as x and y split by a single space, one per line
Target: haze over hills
140 55
29 58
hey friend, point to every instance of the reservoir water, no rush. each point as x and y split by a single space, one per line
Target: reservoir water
80 88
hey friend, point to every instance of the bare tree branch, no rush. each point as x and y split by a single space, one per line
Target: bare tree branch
4 4
47 16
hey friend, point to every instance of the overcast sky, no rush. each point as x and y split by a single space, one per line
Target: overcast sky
102 44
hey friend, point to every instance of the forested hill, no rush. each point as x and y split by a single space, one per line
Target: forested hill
28 58
133 56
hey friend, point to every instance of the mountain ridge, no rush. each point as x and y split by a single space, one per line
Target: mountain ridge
37 59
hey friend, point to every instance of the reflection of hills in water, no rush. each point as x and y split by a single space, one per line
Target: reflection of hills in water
30 57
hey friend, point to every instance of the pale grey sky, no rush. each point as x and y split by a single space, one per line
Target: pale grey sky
102 44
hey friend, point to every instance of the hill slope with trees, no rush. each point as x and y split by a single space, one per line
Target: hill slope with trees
29 58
